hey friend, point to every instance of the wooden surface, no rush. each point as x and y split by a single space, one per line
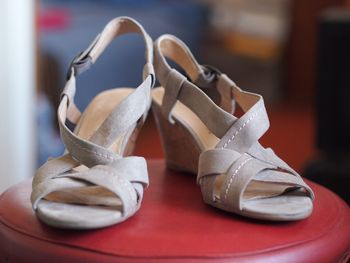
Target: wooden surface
302 47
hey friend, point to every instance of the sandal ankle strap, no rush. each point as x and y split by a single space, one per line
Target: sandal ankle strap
85 59
219 120
204 77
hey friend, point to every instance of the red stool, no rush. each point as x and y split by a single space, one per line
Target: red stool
174 225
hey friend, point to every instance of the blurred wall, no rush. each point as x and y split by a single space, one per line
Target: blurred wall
17 76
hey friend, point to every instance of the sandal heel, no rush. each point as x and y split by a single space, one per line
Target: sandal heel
180 149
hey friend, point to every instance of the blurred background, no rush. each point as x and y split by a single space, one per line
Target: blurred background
295 53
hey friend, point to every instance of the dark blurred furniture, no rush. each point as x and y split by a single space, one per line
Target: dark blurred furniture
301 53
174 225
332 168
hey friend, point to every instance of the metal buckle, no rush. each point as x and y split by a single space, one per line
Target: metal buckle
72 63
208 77
211 70
82 61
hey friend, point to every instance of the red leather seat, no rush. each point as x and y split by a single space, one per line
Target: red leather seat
174 225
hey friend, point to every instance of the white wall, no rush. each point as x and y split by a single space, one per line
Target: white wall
17 91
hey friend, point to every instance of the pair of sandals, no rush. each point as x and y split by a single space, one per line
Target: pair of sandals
97 183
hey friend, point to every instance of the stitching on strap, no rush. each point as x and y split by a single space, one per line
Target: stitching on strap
91 151
123 183
240 128
234 173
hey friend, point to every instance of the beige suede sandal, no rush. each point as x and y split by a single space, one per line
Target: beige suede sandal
94 184
235 172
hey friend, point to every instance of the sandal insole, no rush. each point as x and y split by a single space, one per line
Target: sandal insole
77 216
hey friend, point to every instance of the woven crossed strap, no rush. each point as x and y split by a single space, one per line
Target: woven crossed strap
124 177
90 166
239 158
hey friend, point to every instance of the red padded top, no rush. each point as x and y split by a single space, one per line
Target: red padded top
173 222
